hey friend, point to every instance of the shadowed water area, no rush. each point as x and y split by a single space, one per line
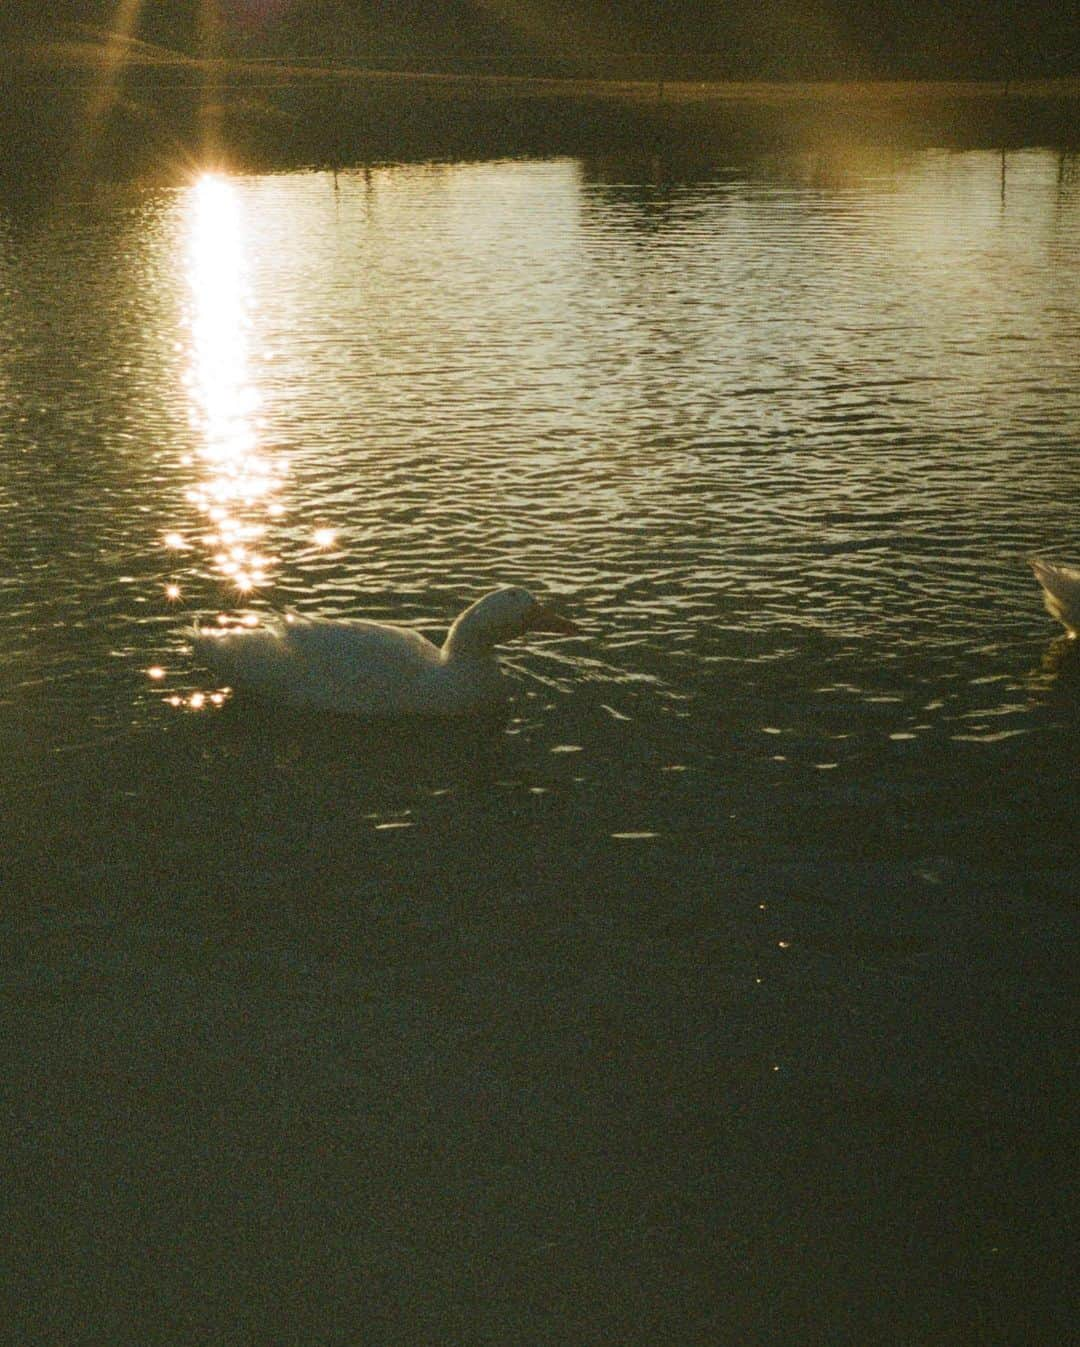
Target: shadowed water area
718 991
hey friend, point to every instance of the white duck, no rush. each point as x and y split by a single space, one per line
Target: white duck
374 669
1061 592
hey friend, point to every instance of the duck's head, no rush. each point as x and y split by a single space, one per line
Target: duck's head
501 616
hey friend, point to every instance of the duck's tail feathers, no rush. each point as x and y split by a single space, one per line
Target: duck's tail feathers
241 657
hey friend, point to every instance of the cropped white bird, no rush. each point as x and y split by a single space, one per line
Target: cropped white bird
375 669
1061 592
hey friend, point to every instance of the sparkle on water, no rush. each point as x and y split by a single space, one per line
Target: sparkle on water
240 478
691 980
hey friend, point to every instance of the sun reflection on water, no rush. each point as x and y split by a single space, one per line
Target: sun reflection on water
237 480
239 487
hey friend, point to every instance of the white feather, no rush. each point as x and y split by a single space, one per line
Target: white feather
373 668
1061 591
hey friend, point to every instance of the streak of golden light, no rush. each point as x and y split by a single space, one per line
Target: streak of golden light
103 93
208 37
239 478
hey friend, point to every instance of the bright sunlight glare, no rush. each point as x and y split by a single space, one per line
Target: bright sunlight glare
240 481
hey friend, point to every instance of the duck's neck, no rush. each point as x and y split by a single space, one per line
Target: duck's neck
468 640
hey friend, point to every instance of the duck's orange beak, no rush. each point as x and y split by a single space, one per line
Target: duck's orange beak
544 618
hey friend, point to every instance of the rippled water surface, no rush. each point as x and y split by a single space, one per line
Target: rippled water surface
777 857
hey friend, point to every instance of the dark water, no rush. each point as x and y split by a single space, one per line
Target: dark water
719 993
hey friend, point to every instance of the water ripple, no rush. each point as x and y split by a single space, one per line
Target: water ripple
736 425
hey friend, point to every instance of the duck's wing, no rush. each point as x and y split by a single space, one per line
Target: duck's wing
318 662
357 662
1061 591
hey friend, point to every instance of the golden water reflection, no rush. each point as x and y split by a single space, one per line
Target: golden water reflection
236 484
240 482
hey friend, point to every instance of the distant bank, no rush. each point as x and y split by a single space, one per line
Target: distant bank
82 110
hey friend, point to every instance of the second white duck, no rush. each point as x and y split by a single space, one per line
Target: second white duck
376 669
1061 592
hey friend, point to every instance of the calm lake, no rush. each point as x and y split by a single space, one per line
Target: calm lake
721 991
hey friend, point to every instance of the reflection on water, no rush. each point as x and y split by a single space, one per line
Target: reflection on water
1057 677
804 417
796 424
755 905
241 484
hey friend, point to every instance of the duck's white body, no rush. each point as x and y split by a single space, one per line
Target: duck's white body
376 669
363 667
1061 592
